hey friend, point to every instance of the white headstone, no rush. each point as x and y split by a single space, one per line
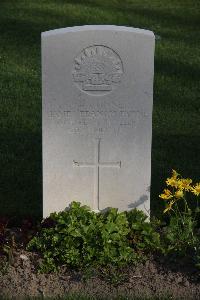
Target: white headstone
97 117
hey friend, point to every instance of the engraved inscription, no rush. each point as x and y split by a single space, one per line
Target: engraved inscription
97 70
97 121
96 165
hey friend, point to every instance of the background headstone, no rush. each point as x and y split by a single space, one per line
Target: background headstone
97 117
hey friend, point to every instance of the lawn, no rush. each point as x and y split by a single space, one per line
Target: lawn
176 121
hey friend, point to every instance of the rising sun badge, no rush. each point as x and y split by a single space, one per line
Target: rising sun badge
97 70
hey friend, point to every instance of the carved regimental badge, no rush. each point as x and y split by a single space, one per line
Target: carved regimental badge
97 70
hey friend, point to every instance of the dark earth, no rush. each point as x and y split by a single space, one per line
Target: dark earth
154 277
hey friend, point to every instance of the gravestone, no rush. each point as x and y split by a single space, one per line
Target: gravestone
97 117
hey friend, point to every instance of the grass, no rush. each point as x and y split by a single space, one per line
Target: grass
176 122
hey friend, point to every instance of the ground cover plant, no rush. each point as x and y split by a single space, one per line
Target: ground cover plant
79 237
176 125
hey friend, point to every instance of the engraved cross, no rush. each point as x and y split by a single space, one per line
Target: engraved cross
97 165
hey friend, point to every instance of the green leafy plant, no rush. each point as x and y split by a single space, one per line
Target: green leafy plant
143 236
80 237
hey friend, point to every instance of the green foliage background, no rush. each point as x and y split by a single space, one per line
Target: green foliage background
176 122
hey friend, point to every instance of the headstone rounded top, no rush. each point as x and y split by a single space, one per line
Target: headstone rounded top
98 27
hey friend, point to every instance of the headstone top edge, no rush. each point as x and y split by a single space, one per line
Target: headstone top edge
97 27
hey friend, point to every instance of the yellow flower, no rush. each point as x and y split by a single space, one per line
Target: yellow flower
196 189
179 194
174 174
172 182
169 206
166 195
184 184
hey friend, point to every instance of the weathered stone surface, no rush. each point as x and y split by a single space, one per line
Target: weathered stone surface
97 117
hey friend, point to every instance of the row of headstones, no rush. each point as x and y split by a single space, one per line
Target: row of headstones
97 117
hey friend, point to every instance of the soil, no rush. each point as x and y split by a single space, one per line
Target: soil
152 278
